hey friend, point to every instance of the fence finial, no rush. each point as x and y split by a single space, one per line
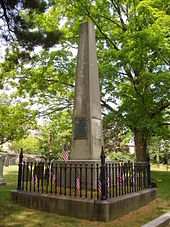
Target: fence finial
102 156
20 170
148 170
103 174
21 154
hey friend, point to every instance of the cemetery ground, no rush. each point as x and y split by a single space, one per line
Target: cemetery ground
16 215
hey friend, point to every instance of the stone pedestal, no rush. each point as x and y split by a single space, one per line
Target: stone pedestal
87 135
2 182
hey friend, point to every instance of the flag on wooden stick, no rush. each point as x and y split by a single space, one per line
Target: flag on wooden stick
34 180
77 182
108 182
65 153
99 186
53 179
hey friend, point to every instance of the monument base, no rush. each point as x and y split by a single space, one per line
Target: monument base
101 210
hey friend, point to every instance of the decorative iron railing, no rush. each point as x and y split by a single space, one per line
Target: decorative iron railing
86 179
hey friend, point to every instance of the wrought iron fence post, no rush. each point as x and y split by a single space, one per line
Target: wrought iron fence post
20 170
103 174
148 170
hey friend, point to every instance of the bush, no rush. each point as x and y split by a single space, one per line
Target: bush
121 156
30 145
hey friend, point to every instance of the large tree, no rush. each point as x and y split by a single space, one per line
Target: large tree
133 56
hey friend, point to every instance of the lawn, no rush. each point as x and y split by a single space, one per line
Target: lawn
16 215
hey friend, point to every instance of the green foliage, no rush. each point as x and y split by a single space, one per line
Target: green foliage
30 145
47 80
122 156
60 130
1 150
159 149
133 55
20 22
15 119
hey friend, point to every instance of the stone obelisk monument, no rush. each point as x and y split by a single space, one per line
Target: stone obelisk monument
87 135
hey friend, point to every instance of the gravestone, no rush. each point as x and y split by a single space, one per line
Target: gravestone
12 161
87 135
2 182
6 162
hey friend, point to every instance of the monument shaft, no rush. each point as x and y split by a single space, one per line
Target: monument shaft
87 136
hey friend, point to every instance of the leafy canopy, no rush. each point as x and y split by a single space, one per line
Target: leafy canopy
15 119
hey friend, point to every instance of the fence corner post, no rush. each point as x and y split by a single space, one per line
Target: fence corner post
148 170
103 174
20 170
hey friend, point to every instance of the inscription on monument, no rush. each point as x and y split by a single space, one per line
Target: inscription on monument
80 128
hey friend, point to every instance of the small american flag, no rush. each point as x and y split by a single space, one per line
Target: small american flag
137 177
131 178
108 181
49 176
121 178
77 182
34 180
99 186
65 153
53 180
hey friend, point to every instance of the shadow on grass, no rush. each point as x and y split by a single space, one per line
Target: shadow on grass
16 215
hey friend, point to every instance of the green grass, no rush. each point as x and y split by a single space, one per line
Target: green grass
162 180
16 215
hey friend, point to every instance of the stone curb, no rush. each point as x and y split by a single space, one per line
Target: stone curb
163 220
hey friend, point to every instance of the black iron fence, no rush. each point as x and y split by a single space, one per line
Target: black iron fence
94 180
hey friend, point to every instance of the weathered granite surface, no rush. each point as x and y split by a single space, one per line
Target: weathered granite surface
87 136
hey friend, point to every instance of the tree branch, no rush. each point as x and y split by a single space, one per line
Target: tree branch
107 18
161 108
87 13
54 81
5 15
120 15
107 105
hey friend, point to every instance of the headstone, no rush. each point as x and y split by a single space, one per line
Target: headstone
2 182
87 136
6 163
12 161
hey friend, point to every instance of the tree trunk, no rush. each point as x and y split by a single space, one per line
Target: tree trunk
140 139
